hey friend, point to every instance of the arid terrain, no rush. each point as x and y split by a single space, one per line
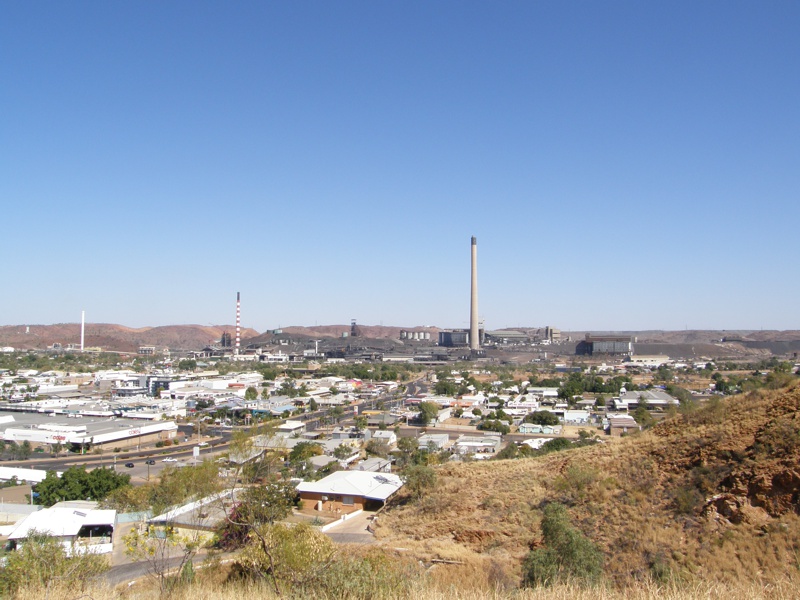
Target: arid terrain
116 338
120 338
712 495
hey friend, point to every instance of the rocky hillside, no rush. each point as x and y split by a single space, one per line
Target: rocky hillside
711 495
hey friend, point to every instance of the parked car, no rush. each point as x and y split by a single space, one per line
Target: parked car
129 465
149 461
170 459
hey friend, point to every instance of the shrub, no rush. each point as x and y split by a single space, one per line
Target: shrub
42 562
556 445
576 481
417 479
567 556
541 417
687 500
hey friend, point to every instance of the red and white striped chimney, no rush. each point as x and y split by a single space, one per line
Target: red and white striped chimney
238 322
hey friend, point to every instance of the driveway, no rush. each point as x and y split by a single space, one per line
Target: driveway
353 531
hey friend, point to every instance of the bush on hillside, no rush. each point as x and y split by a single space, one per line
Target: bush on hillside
568 556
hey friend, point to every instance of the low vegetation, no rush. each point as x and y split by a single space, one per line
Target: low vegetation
707 495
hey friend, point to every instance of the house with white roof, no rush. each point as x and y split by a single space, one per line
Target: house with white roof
349 491
79 528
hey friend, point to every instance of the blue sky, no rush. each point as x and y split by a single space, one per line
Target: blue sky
624 165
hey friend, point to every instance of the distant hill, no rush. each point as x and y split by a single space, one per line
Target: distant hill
116 337
711 495
191 337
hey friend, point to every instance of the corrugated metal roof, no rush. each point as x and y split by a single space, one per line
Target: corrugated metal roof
62 522
373 486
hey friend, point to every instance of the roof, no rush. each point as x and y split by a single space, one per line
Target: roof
203 513
622 421
650 396
29 475
373 486
62 522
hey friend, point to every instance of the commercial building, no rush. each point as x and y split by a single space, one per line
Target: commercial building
84 432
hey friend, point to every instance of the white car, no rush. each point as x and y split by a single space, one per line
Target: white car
169 459
202 444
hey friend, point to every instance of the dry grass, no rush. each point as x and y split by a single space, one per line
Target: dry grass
623 496
781 590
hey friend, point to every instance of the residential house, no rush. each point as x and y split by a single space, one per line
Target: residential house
79 526
621 424
349 491
386 436
477 445
435 441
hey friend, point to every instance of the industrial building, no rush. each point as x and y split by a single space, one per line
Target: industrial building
451 338
605 344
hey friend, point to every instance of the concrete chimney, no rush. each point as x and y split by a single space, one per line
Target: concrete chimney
474 333
83 326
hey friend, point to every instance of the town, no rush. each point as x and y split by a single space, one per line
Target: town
342 430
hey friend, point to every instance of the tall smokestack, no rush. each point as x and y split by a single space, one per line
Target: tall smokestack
474 334
238 322
83 326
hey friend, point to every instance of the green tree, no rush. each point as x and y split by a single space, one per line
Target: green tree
445 387
428 411
541 417
304 450
567 554
336 413
161 545
406 446
343 451
643 417
292 557
556 445
187 364
78 484
24 450
377 448
418 479
251 394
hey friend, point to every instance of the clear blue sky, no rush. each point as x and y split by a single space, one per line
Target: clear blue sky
624 165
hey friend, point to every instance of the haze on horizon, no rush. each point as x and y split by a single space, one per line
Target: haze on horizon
624 166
